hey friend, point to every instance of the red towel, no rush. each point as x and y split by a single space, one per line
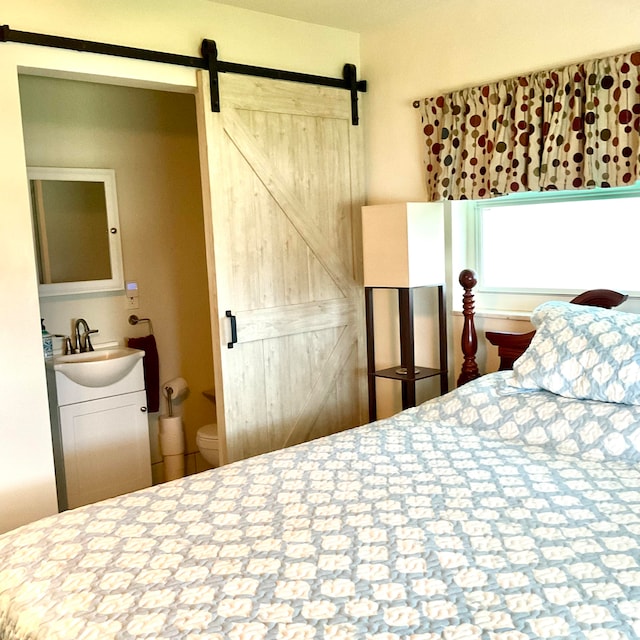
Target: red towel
151 369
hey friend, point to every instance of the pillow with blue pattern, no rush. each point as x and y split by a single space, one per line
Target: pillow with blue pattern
583 352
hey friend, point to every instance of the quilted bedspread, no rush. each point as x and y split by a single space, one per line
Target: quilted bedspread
491 513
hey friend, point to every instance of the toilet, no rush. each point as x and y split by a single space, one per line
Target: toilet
207 441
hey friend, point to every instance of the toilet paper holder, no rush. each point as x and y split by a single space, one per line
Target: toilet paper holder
169 393
173 389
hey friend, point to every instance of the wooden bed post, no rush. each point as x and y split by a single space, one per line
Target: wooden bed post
469 340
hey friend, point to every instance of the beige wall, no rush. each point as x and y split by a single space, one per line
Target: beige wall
242 36
449 45
149 139
27 487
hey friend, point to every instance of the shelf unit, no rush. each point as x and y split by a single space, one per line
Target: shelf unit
407 351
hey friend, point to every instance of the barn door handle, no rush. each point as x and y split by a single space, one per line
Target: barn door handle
234 329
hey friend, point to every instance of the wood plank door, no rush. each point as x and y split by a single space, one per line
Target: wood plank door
281 171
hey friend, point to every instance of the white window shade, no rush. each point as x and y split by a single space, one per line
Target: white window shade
561 243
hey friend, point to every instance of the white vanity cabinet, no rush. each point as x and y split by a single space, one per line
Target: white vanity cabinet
100 438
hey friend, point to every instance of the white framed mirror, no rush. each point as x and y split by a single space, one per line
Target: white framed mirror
76 230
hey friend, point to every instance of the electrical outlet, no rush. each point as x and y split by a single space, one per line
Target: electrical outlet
132 303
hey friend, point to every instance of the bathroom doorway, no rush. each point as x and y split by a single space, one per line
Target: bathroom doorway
150 139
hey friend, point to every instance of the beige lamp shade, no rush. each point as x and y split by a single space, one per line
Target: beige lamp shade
403 244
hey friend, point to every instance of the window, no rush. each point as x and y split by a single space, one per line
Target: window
558 242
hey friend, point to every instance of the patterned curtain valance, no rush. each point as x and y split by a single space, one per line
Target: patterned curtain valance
571 128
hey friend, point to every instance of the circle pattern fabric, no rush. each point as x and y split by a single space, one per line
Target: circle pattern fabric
571 128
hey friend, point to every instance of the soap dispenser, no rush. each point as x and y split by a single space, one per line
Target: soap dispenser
47 341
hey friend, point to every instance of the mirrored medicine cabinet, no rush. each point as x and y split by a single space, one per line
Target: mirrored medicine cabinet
76 230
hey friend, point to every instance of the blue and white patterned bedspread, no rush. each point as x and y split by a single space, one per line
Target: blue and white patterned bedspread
452 520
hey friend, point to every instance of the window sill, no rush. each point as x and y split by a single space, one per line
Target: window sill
498 314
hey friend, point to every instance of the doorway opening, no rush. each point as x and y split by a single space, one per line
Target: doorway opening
149 138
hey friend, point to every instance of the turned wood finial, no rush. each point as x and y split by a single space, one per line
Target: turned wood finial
469 341
468 281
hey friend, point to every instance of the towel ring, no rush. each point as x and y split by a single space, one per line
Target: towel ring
133 319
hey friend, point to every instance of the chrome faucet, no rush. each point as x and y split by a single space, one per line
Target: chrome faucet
83 341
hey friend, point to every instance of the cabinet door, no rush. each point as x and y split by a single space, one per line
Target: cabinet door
283 175
105 446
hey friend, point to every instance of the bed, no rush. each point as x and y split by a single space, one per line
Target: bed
508 509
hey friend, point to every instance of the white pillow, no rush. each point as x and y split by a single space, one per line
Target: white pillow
583 352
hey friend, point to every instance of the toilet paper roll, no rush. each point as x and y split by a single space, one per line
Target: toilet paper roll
171 435
173 467
178 386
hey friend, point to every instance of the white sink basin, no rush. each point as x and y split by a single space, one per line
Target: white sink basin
99 368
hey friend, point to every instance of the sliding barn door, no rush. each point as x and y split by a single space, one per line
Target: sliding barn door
282 166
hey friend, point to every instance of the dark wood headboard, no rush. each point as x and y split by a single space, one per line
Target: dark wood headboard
511 345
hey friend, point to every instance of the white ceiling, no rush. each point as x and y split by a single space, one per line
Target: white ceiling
352 15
